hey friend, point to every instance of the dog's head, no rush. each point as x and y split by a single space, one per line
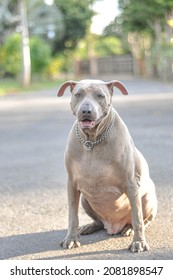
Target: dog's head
91 99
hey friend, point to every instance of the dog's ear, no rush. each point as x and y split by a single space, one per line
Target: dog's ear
118 85
63 87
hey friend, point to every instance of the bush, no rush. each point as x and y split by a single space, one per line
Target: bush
62 63
40 55
11 56
55 67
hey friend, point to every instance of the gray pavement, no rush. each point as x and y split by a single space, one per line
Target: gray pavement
33 201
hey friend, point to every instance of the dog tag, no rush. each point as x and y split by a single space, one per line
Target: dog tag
88 145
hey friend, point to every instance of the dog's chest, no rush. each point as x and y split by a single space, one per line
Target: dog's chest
96 176
92 165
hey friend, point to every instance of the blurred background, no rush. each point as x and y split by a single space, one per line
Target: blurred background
52 40
42 44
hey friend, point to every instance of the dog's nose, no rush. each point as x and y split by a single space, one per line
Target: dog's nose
86 108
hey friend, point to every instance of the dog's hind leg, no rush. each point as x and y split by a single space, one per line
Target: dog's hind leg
128 229
95 225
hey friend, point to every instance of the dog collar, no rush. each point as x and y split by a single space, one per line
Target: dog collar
88 145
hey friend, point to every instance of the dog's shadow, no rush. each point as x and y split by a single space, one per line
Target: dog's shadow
16 246
27 244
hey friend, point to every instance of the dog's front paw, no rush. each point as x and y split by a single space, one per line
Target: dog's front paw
138 246
70 243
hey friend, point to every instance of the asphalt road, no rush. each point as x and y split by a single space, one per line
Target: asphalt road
33 201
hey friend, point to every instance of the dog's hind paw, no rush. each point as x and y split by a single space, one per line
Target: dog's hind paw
138 246
127 230
90 228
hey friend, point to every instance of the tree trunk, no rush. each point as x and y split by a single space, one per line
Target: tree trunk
91 56
157 47
26 60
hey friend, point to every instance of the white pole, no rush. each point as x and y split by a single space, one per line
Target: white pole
26 60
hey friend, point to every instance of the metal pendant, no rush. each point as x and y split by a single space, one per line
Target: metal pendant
88 145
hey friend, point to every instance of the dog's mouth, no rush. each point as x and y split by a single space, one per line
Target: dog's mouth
87 123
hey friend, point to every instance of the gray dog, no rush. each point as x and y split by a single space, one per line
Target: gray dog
104 166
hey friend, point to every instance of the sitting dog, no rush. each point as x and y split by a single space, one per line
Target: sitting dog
105 167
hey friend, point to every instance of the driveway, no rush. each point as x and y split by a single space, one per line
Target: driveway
33 203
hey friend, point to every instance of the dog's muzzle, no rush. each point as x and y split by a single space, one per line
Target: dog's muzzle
87 115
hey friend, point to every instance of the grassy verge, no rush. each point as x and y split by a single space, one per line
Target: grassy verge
12 86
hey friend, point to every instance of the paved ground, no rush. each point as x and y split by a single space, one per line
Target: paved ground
33 203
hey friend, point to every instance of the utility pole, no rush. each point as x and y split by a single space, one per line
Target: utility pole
26 60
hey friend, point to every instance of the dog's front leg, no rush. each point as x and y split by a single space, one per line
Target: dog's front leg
72 239
139 243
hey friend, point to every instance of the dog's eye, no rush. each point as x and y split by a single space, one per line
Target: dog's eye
78 94
100 95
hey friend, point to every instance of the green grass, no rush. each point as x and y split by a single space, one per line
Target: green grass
12 86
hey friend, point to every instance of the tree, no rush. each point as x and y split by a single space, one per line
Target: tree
33 17
9 18
62 24
101 46
45 20
144 25
11 60
148 16
77 16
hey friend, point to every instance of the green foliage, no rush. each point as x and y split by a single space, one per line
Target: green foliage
62 24
81 50
99 46
59 64
77 16
11 56
55 67
44 20
141 16
109 45
9 18
145 26
40 55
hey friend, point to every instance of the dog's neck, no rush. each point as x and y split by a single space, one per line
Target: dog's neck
94 133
